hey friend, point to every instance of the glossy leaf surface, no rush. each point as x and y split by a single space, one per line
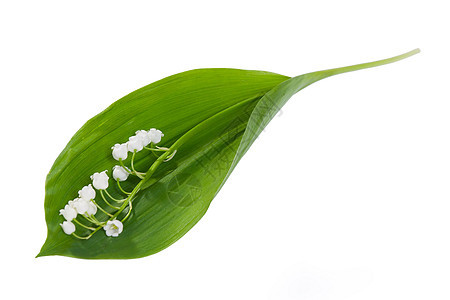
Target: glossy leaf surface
220 112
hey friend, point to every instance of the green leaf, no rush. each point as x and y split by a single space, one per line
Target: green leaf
210 116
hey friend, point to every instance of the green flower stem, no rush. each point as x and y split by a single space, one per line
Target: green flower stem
104 211
128 170
109 195
82 237
123 166
171 156
97 221
156 149
92 220
88 236
82 225
156 164
152 145
129 211
106 201
149 173
120 188
129 198
138 174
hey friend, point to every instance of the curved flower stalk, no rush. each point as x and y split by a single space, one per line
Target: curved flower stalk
87 205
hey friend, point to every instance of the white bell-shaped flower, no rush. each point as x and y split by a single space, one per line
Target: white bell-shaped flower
92 208
119 173
69 213
87 192
100 180
143 135
81 205
68 227
135 143
155 135
72 203
120 151
113 228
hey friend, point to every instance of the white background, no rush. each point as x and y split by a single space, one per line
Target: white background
358 206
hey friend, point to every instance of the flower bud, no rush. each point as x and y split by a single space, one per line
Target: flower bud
155 135
119 173
92 208
68 227
120 151
135 143
81 205
69 213
144 137
87 192
100 180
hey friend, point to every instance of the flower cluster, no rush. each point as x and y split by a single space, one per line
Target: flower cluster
136 143
83 205
86 206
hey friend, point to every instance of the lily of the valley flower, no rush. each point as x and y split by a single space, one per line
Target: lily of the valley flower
155 135
92 209
100 180
144 137
69 213
68 227
113 228
72 203
120 151
87 192
81 205
119 173
135 143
